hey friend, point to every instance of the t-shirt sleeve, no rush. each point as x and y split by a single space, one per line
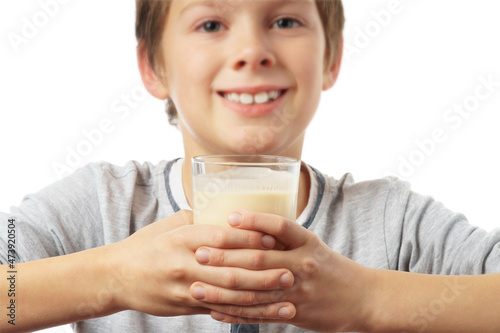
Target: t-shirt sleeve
60 219
423 236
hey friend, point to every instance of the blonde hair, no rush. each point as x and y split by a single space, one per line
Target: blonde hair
150 22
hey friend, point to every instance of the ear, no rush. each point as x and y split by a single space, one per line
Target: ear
331 74
152 82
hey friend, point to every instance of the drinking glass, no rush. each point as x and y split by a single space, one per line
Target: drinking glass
261 183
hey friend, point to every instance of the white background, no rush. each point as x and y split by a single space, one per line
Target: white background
399 78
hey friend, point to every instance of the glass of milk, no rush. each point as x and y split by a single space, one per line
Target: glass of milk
261 183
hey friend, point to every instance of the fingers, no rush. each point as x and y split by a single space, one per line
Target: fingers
243 279
248 259
289 233
228 238
274 312
212 294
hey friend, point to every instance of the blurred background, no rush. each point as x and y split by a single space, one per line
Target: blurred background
418 97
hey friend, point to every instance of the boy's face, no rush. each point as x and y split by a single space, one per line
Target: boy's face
245 75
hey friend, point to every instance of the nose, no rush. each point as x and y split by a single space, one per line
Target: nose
252 51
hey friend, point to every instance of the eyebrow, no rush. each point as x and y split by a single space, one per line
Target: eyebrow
227 3
203 3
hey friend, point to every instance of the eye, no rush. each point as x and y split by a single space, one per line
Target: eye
287 23
211 26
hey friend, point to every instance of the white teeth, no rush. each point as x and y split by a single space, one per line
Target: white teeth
273 94
234 97
246 98
259 98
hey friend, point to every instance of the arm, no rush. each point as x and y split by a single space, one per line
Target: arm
108 279
333 293
435 303
57 291
78 286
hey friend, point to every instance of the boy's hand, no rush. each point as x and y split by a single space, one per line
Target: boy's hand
329 292
154 268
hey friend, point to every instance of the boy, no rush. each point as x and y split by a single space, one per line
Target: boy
171 268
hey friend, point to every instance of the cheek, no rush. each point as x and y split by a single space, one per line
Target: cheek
190 69
313 71
310 82
188 84
191 76
305 61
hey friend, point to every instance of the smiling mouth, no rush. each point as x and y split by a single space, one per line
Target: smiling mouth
252 99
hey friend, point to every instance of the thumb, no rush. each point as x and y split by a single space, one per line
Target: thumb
179 219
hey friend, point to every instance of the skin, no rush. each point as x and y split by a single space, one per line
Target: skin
331 294
232 273
106 279
245 52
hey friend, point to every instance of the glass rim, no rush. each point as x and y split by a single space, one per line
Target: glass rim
273 159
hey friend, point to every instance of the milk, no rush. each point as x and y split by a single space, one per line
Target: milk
216 195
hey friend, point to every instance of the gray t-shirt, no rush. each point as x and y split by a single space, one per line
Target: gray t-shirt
378 223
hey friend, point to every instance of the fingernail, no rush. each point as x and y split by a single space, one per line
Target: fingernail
284 312
199 292
202 256
234 219
268 241
286 280
217 315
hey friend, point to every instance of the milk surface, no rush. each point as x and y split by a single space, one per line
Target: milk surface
216 195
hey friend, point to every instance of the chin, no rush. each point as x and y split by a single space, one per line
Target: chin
256 147
255 140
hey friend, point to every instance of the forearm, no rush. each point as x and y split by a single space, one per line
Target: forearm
58 290
436 303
